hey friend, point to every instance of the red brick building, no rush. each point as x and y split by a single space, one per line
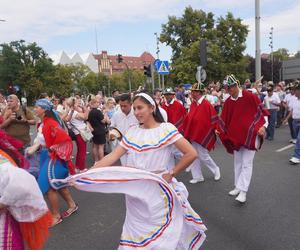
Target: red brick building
108 64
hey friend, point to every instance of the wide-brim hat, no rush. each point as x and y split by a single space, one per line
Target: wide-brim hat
198 87
168 91
230 80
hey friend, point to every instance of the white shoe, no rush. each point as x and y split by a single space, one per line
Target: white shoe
194 181
241 197
293 141
234 192
217 174
294 160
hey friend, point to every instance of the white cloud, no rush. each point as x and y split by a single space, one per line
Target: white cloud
285 24
38 20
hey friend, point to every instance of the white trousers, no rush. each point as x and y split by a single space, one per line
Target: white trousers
203 155
243 165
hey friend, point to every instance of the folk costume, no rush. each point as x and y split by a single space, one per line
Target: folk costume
175 110
25 219
56 160
199 128
163 219
241 119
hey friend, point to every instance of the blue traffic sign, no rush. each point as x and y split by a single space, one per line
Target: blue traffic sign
162 67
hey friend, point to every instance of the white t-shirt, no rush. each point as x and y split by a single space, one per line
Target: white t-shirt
77 123
295 108
269 100
60 108
289 98
122 121
150 149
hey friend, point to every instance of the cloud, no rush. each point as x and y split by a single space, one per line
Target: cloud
284 22
40 20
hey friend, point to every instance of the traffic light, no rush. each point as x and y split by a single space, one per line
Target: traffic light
147 70
120 58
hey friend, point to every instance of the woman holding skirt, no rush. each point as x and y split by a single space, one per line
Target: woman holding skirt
158 214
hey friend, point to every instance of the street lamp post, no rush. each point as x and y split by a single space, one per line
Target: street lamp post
271 56
157 56
257 41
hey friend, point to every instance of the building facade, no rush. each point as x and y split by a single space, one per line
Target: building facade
109 65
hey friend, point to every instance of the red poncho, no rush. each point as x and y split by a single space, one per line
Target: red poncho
200 124
240 121
58 141
176 113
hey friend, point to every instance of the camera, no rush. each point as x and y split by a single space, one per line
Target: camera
19 117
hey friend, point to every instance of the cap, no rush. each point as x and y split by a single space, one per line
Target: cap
198 87
168 91
230 80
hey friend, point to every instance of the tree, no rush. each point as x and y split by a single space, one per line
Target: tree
225 38
26 65
281 54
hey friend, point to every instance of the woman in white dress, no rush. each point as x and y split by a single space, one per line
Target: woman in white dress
158 214
149 147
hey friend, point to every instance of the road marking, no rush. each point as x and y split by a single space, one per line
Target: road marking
285 148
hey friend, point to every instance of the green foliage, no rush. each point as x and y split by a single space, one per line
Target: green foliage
225 37
281 54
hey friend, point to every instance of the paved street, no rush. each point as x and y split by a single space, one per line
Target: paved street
269 220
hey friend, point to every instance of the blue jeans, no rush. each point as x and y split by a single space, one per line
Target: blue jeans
272 122
296 126
292 131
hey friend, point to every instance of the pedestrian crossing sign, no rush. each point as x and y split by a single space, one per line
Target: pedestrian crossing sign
163 67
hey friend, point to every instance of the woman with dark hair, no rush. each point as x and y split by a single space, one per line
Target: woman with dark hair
55 160
158 214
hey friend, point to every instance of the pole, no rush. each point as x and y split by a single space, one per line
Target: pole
163 81
257 40
272 56
152 77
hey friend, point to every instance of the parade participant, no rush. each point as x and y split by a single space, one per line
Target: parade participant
124 118
272 104
162 219
287 103
24 215
175 110
199 128
56 163
243 123
295 114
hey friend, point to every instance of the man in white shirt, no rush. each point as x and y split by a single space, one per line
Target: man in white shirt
295 113
287 102
124 118
272 103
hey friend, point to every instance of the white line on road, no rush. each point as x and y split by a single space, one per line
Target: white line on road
285 148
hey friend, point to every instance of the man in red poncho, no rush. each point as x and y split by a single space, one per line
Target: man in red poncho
199 128
242 129
175 110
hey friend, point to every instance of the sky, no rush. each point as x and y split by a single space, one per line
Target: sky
127 26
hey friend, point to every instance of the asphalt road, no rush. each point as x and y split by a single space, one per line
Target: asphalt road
269 219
